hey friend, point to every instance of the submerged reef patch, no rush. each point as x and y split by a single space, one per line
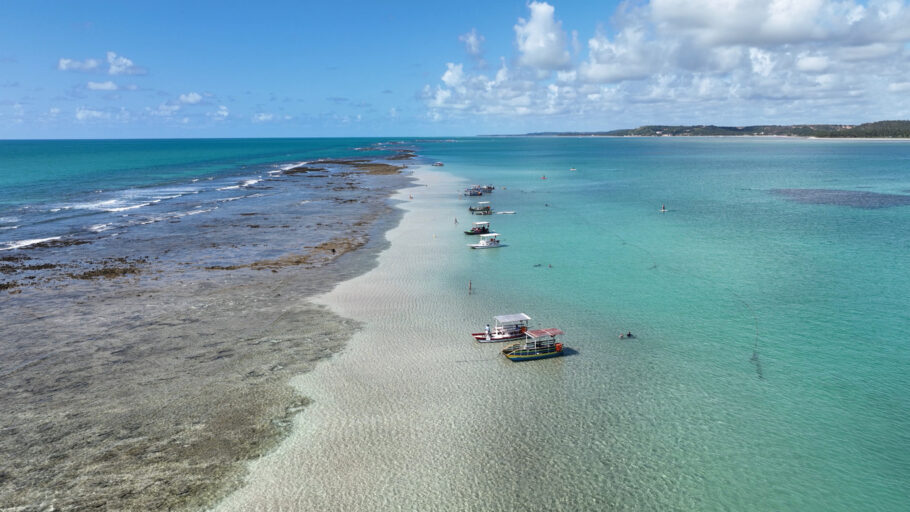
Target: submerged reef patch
851 198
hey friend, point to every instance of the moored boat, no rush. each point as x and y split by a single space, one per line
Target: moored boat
505 328
479 228
438 164
473 190
488 241
486 188
538 344
481 208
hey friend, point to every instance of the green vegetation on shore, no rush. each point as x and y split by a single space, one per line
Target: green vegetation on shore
878 129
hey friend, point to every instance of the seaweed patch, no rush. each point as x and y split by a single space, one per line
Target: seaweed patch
851 198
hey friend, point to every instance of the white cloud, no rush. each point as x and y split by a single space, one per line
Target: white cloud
78 65
191 98
88 114
750 22
163 110
120 65
695 61
630 57
220 114
262 117
454 75
762 61
541 40
473 42
872 51
812 63
102 86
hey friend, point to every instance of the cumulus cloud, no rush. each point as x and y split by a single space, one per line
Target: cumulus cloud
630 56
220 114
191 98
78 65
101 86
89 114
263 117
473 43
120 65
696 60
540 39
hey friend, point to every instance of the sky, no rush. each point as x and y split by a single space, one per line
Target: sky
106 69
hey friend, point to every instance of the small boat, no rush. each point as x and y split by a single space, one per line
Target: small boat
488 241
505 328
438 164
486 188
538 344
505 213
481 208
573 169
471 191
479 228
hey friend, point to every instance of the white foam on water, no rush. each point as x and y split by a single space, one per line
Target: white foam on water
18 244
250 183
232 187
97 228
130 207
198 211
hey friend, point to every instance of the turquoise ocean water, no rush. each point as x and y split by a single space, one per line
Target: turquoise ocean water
772 317
77 188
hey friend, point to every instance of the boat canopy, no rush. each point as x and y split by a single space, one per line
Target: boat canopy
481 223
483 202
512 319
541 333
489 235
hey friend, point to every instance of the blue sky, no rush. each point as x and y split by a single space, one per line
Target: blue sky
344 68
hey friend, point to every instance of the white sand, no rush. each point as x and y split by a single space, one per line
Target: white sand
391 425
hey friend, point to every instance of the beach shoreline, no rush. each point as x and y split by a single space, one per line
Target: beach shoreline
148 387
379 433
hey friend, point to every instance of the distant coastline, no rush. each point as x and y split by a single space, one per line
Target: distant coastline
875 130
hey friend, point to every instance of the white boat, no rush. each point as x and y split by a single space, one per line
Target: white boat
487 241
505 213
505 328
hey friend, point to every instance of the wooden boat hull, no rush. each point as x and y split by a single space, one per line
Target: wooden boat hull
531 354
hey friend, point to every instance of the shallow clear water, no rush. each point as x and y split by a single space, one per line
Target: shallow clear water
767 371
80 188
772 334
